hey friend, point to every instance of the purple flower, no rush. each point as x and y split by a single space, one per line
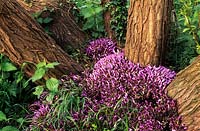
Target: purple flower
100 48
115 79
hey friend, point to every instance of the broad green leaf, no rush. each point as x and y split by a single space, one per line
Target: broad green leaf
47 20
52 84
39 73
2 116
52 65
6 66
38 90
41 64
50 97
9 128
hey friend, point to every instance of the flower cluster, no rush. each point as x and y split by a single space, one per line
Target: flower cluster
115 79
40 111
100 48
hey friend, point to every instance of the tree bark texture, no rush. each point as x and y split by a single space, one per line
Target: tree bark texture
186 90
107 20
147 30
63 27
22 39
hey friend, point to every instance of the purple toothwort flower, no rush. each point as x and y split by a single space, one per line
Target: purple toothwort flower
100 48
115 79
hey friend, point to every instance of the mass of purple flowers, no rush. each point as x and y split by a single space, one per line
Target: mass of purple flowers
115 79
118 94
100 48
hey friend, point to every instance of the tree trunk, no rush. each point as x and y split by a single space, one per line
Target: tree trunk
23 40
107 19
147 31
63 27
186 90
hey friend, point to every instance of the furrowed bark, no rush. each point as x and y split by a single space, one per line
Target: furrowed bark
185 88
147 29
64 29
23 40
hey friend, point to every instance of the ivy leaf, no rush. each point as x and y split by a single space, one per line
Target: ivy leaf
52 84
2 116
9 128
39 73
47 20
6 66
40 20
38 90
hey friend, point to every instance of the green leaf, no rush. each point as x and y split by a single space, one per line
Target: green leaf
7 66
37 14
41 64
186 29
52 65
9 128
52 84
98 9
47 20
2 116
12 91
20 120
50 97
38 90
87 12
40 20
39 73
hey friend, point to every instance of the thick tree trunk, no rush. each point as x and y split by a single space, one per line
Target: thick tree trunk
186 90
147 30
63 27
23 40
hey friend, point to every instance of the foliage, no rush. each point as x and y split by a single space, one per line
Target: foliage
13 102
57 115
13 86
44 18
115 79
51 84
185 33
100 48
91 15
119 14
189 19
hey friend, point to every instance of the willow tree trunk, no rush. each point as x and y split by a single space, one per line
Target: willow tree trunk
147 29
186 90
63 28
23 40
